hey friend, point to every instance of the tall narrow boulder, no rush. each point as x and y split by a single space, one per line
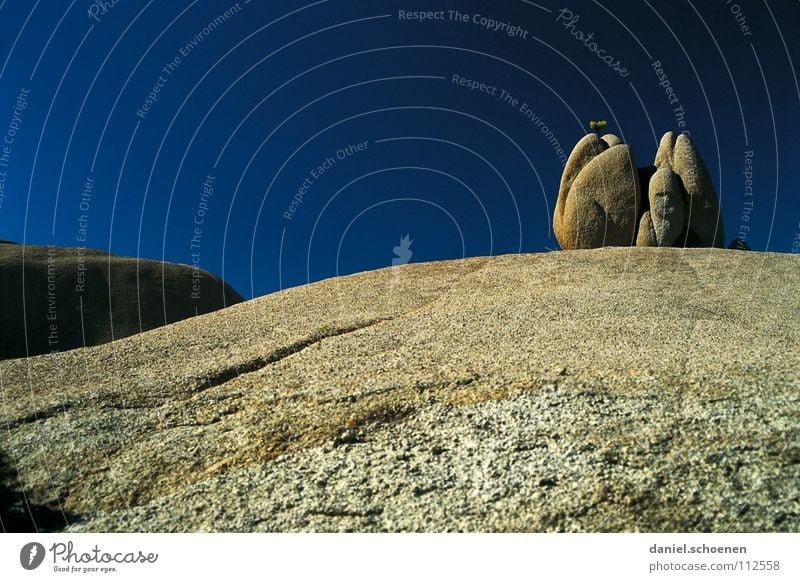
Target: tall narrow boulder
666 206
702 225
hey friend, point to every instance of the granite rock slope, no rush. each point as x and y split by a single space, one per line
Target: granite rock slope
616 389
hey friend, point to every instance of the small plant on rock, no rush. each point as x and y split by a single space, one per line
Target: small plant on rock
325 330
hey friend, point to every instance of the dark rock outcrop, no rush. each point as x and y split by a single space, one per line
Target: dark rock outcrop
739 244
57 298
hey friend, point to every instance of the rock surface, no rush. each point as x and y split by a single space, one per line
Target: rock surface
615 389
57 298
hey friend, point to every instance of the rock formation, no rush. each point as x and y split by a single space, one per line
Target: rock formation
57 298
614 389
604 200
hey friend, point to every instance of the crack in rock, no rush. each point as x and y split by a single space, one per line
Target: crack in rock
371 512
42 414
220 377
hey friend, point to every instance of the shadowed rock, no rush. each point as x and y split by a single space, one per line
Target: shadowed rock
57 299
18 514
739 244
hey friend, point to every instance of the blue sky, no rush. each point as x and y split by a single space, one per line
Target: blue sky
277 143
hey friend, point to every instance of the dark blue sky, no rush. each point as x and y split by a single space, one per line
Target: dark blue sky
262 95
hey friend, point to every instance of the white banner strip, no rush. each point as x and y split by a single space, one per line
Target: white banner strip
378 557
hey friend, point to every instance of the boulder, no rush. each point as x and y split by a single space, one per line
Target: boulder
666 206
583 152
599 198
57 298
665 149
702 218
646 235
611 139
